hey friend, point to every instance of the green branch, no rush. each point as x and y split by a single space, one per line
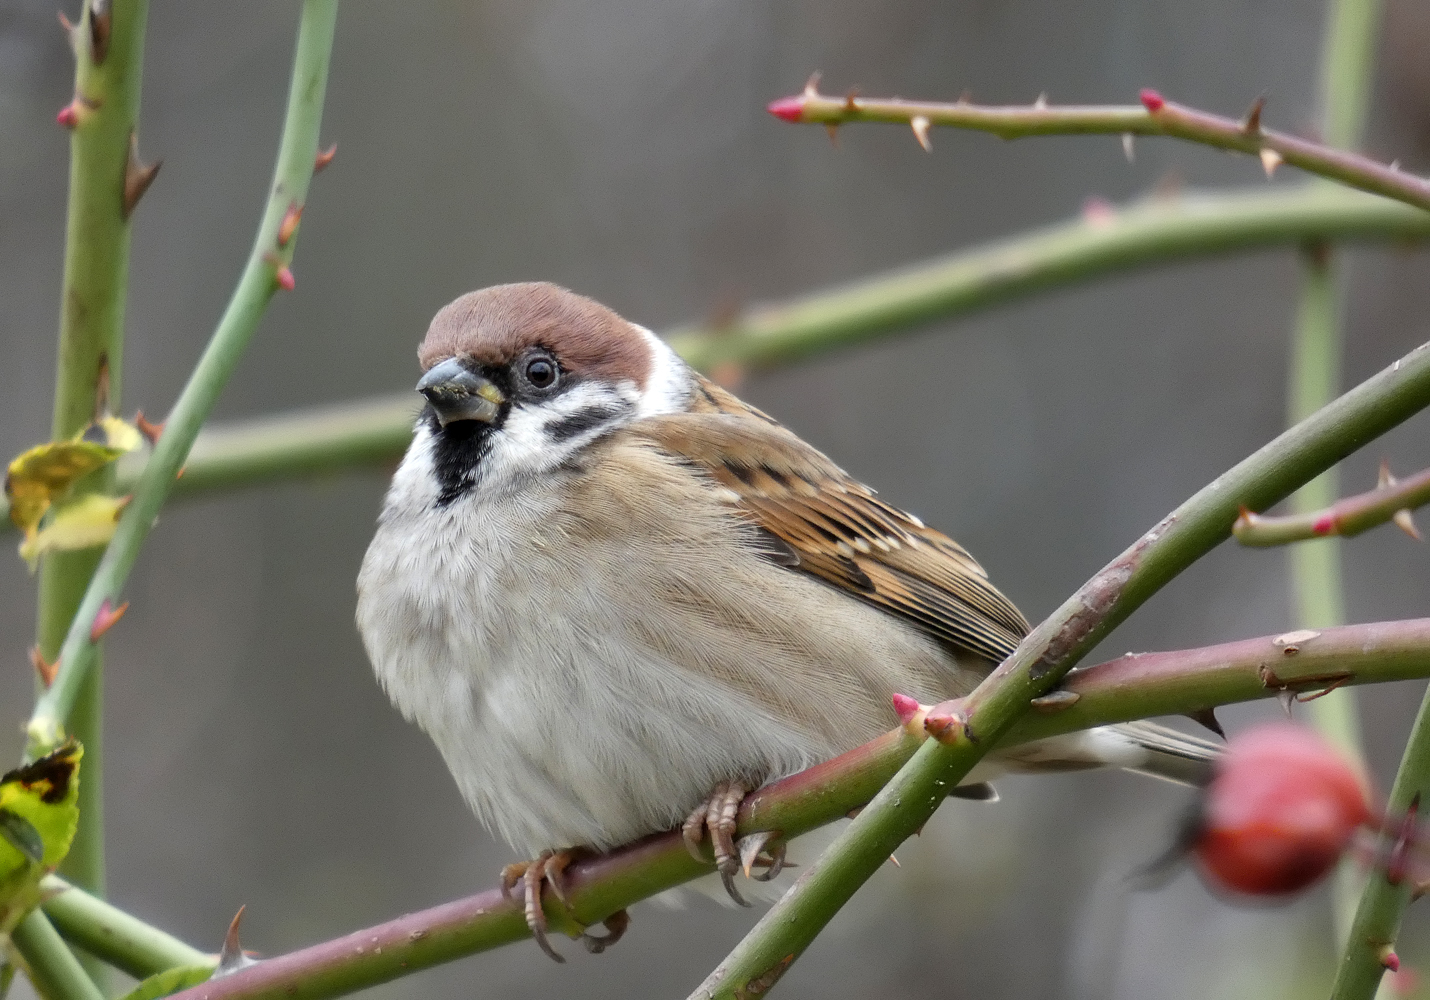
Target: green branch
1117 691
103 117
267 267
1156 116
107 932
1387 893
1392 500
1152 232
968 729
51 967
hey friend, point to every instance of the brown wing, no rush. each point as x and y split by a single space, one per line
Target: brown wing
834 527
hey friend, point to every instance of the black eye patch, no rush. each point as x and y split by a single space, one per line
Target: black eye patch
570 426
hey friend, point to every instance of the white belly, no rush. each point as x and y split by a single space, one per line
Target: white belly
566 713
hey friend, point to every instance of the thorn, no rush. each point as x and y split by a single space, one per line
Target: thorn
72 31
151 431
1152 101
137 177
1270 160
1395 165
833 131
965 97
46 671
1287 699
289 225
100 22
752 845
894 861
1324 525
850 105
1251 124
920 125
1385 477
1405 521
787 109
906 707
232 957
1207 717
811 86
1389 958
105 619
324 157
1127 149
1055 701
1041 103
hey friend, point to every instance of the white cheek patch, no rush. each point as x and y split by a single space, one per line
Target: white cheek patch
537 438
668 388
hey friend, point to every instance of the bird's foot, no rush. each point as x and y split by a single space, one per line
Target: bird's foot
548 868
717 813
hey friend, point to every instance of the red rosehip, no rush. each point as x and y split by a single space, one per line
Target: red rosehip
1281 809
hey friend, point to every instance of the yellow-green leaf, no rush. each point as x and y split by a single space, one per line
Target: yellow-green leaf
79 524
39 810
36 478
161 984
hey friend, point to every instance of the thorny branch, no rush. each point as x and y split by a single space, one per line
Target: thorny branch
1156 116
1392 500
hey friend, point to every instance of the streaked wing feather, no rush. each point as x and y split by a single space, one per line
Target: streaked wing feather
836 528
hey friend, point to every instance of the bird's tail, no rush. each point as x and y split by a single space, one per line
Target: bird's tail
1144 747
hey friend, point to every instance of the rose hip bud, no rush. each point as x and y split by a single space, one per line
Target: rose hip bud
1278 814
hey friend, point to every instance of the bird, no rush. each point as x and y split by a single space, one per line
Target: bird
618 598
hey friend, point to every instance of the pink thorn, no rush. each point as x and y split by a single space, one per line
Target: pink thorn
105 619
69 115
284 278
1153 101
1390 960
789 109
324 157
1325 525
905 707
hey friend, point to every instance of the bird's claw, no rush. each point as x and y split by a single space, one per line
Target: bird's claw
615 925
548 868
717 814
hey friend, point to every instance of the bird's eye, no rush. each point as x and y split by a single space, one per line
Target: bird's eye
541 372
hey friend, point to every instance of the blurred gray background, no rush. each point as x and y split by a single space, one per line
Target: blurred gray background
620 147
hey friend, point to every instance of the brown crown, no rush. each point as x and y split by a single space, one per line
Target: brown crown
495 325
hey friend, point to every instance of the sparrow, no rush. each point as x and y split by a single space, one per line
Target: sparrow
617 598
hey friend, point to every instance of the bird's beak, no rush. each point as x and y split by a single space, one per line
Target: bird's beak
459 394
